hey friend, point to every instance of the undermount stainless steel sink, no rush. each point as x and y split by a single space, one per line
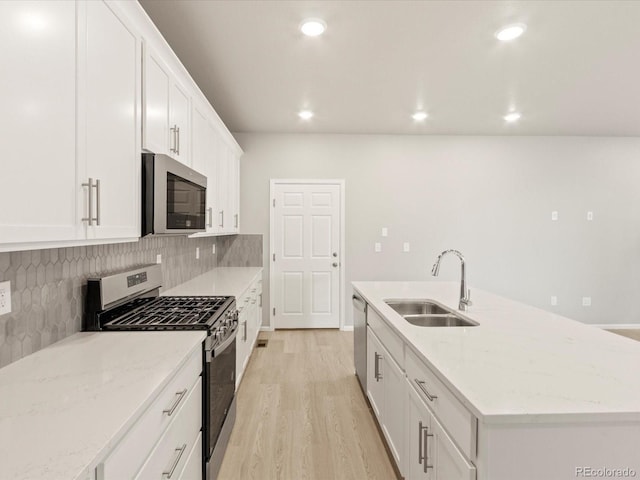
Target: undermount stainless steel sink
439 321
416 307
424 313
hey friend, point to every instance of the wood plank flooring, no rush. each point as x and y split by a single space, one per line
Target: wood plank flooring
302 415
634 334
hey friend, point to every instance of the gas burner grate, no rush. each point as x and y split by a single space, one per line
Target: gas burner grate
165 313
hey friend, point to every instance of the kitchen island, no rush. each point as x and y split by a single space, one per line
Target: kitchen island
533 395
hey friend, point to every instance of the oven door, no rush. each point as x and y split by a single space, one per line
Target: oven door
220 371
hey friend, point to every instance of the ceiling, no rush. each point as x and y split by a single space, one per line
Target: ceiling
575 71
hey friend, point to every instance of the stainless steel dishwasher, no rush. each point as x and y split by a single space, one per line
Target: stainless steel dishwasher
360 339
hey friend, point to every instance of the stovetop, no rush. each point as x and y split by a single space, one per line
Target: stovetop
166 313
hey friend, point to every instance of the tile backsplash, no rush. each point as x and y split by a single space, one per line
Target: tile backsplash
47 286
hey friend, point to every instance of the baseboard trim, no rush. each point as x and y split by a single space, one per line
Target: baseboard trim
616 326
347 328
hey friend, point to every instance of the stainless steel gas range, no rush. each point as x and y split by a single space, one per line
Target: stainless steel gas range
130 301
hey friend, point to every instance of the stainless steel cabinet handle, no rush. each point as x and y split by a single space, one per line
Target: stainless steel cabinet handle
236 220
177 140
245 330
421 386
89 218
260 304
174 139
97 201
210 223
421 450
176 460
179 396
376 372
222 218
426 449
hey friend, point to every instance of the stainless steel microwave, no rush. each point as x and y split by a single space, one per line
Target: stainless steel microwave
174 197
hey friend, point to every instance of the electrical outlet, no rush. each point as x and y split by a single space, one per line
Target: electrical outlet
586 301
159 258
554 216
377 247
554 300
405 247
385 232
197 253
5 297
213 248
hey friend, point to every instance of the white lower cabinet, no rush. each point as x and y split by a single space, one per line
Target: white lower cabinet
162 442
250 315
431 454
385 389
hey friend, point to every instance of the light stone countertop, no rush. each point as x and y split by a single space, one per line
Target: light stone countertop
521 364
218 281
63 408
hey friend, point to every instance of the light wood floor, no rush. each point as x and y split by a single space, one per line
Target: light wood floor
302 415
635 334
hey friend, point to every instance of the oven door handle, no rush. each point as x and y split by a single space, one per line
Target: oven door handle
220 348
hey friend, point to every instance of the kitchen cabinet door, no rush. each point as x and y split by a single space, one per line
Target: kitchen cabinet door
110 73
375 375
179 125
38 95
394 401
204 161
155 110
234 191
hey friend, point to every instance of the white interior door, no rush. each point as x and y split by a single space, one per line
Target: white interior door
306 266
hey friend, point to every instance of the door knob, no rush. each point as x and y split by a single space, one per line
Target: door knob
335 264
335 254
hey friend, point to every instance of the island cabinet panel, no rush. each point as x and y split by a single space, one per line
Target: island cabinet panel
558 451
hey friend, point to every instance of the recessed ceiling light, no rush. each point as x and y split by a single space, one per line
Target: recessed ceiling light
312 27
419 116
510 32
305 114
512 117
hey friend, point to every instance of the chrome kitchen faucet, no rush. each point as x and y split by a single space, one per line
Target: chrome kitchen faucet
465 294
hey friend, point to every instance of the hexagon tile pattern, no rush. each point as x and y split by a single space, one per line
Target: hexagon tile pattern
47 286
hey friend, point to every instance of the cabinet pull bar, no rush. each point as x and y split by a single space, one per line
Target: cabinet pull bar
260 304
177 140
97 185
421 450
179 396
176 460
377 367
420 384
222 218
236 220
89 218
172 148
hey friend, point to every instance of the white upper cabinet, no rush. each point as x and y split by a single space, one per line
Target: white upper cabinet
204 161
166 110
38 97
110 145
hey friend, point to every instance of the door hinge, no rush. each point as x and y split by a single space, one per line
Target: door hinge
274 311
274 257
274 202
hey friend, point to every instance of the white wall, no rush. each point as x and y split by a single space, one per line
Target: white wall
489 197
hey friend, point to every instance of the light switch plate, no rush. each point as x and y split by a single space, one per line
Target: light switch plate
589 216
377 247
554 300
405 247
586 301
5 297
385 231
554 216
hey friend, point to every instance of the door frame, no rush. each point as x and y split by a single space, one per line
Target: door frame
289 181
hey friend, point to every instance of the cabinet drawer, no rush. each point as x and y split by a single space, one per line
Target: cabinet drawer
170 455
193 466
127 457
459 423
389 339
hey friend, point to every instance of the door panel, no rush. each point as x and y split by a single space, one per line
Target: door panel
306 245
